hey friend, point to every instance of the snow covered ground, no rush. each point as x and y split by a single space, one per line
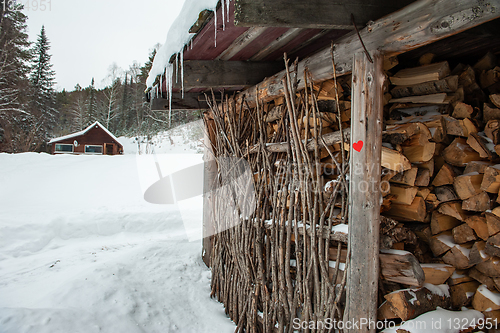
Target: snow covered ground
81 251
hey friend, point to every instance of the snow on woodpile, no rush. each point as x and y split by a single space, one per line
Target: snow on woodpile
441 321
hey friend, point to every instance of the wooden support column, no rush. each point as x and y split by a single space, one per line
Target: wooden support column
209 177
364 192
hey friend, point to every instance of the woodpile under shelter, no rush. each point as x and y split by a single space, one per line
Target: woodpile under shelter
93 140
372 132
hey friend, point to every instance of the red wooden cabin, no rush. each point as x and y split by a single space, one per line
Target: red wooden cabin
94 140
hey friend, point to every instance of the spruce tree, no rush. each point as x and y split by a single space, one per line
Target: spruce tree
15 119
42 80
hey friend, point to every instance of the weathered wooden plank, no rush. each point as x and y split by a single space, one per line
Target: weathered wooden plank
322 14
191 101
224 74
364 192
240 43
420 23
278 43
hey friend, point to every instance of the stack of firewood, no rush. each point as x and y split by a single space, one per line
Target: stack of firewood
443 179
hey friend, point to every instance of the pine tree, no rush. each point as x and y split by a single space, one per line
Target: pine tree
42 80
92 104
15 119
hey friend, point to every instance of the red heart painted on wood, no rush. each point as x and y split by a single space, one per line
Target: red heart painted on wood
357 146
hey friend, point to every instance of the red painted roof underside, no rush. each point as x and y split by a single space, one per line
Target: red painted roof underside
207 46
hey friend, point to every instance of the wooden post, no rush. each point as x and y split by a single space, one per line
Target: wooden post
364 193
209 176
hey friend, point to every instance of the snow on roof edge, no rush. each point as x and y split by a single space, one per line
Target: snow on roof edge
178 35
82 132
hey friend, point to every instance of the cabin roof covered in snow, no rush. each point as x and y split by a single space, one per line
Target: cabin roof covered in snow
82 132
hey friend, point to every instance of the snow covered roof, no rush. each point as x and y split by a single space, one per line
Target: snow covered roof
69 136
178 34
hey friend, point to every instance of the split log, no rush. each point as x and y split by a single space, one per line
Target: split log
468 185
453 208
490 267
463 234
462 110
394 160
478 143
477 254
441 243
481 278
491 180
447 85
445 176
440 98
492 131
441 222
414 212
459 153
490 113
437 273
487 62
423 177
397 134
428 166
458 256
410 303
489 77
478 223
426 73
477 166
445 193
384 312
454 126
493 223
403 194
485 299
420 153
462 294
495 99
493 246
459 276
407 177
401 267
477 203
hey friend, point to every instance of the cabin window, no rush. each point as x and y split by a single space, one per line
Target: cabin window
63 148
93 149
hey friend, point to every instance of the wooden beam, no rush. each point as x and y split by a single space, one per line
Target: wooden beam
224 74
318 14
364 191
420 23
191 101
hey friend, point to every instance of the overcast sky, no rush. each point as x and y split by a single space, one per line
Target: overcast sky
87 36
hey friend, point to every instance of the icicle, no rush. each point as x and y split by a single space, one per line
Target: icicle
182 72
170 80
176 68
223 15
161 83
215 40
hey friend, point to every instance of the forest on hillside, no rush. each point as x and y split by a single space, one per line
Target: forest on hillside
32 111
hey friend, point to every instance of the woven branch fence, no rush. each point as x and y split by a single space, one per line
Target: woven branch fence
274 270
